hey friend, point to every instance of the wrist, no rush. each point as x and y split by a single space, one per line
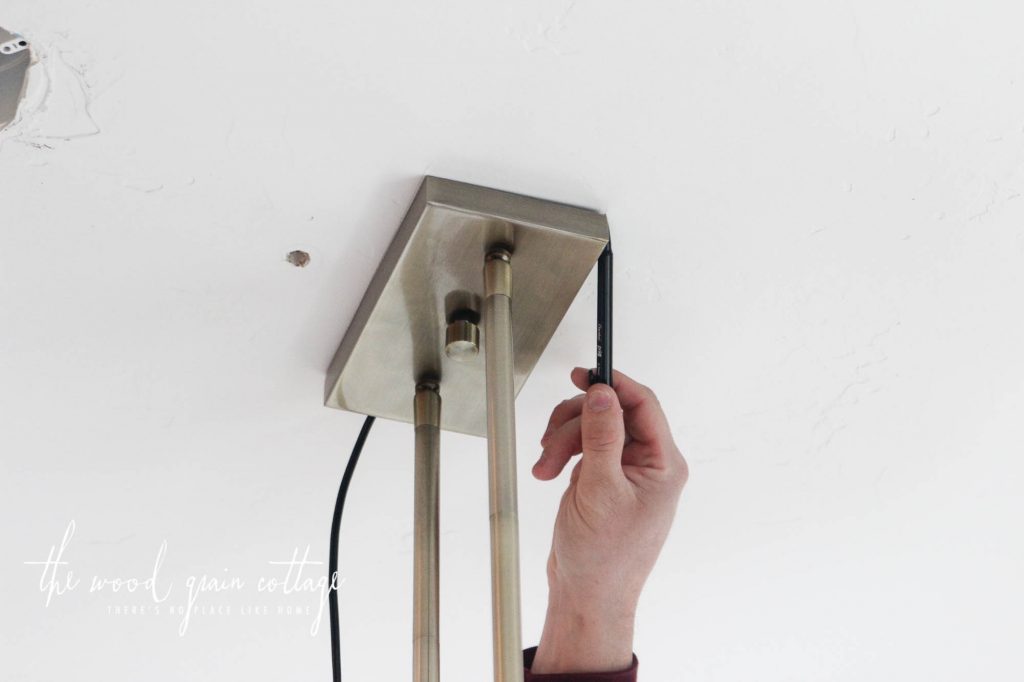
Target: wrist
586 633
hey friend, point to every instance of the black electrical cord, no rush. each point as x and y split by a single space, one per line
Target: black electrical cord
339 506
602 374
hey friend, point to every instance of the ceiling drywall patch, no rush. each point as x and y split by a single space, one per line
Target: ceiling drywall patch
56 94
15 57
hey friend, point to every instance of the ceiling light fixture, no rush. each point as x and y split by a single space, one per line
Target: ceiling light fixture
465 254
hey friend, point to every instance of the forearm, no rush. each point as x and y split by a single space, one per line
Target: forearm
585 635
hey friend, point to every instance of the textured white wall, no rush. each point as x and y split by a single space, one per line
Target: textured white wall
818 221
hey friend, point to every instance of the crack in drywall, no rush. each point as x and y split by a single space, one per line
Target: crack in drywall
989 199
852 392
143 185
548 35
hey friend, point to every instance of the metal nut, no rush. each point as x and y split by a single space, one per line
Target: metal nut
462 340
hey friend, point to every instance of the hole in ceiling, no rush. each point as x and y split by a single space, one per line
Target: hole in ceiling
299 259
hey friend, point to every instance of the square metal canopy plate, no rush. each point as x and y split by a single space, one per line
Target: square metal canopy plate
433 268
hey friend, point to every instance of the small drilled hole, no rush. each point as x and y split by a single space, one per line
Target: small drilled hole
299 259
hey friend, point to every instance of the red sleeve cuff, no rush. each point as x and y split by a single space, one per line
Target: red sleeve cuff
627 675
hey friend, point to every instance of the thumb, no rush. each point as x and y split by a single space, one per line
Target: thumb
603 434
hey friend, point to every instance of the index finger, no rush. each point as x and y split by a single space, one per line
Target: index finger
644 419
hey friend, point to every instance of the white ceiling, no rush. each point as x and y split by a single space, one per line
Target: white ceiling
818 221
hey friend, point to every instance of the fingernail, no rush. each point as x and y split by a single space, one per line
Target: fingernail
598 400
